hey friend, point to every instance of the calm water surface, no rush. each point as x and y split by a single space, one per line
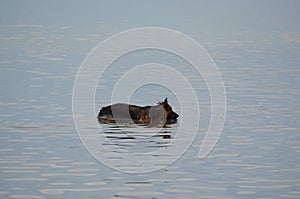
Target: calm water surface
41 155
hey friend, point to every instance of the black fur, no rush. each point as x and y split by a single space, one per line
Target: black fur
158 114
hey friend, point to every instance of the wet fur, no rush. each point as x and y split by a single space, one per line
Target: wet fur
161 113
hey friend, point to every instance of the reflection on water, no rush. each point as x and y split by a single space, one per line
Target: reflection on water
141 139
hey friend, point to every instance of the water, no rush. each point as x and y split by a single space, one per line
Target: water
257 155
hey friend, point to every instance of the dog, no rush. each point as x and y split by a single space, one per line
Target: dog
160 114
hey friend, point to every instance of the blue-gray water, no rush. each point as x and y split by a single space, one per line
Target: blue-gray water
41 155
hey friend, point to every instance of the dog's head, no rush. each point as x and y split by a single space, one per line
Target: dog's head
171 115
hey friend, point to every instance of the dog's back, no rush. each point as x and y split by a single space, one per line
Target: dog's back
158 114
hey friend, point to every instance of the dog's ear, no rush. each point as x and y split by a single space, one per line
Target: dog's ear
166 101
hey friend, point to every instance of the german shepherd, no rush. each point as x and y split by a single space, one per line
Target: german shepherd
160 114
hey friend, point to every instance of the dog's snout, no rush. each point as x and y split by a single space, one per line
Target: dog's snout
174 115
